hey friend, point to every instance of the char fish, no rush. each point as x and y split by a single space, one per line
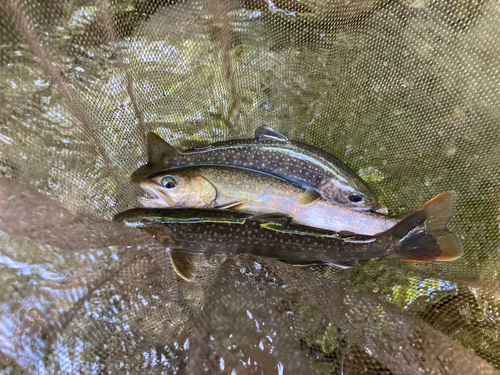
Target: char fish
421 236
270 152
258 193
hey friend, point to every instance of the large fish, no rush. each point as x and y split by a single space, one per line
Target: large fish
272 153
421 236
257 193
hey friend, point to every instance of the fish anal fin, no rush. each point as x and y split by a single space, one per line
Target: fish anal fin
309 197
232 205
183 263
266 133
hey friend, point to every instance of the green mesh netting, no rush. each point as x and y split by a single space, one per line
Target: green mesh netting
406 92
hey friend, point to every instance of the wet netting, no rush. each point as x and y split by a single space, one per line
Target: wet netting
406 92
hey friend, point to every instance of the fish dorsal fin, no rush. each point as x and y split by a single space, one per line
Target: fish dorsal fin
233 205
159 151
310 196
160 156
265 133
183 263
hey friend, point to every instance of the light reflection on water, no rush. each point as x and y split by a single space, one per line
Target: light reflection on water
39 285
27 269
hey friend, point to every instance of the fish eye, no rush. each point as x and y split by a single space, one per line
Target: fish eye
355 198
168 182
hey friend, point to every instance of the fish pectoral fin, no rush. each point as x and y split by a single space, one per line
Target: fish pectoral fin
233 205
265 133
183 263
160 154
310 196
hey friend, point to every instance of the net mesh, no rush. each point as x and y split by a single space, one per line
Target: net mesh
405 92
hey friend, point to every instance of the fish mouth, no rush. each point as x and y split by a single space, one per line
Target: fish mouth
156 198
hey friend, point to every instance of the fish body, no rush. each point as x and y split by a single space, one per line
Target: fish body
421 236
256 193
272 153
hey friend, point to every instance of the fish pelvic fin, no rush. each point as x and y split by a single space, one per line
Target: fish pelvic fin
266 133
160 156
423 234
183 264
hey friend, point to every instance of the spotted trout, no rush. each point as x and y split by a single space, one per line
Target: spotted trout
421 236
258 193
270 152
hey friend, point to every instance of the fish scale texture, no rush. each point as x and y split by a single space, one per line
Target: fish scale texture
405 92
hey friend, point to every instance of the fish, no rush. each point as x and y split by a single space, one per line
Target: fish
270 152
422 236
258 193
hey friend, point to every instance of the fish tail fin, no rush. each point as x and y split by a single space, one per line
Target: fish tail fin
423 234
160 156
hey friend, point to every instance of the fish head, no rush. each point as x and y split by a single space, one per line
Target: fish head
177 189
358 197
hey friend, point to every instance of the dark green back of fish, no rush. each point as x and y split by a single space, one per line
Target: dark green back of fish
230 232
421 236
296 162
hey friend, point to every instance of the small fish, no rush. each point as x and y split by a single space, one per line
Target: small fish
272 153
257 193
421 236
